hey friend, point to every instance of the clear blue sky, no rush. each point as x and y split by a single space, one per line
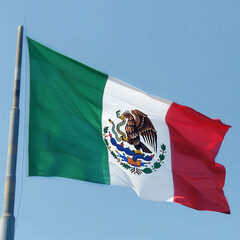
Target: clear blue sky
187 51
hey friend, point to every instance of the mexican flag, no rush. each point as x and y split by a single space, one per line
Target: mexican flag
86 125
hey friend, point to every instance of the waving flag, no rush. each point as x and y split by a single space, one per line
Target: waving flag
86 125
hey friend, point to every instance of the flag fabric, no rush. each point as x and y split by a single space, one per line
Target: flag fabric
86 125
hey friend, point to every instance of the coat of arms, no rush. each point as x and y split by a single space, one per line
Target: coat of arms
133 142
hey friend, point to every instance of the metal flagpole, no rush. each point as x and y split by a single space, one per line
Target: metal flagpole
8 220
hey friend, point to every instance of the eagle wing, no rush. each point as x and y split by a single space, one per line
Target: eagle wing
145 128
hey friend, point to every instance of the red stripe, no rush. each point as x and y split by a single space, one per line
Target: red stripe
195 141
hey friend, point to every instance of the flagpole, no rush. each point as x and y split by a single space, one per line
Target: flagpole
8 219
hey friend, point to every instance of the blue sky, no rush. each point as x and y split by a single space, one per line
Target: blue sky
185 51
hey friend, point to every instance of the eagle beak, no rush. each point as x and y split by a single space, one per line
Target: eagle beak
122 117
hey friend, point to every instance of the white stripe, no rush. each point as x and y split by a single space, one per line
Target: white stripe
157 185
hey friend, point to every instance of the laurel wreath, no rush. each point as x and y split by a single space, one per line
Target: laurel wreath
135 170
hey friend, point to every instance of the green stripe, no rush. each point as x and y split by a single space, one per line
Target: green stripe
65 126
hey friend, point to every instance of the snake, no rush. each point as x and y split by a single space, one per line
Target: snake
123 135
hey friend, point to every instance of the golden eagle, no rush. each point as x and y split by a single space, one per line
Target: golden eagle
143 126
